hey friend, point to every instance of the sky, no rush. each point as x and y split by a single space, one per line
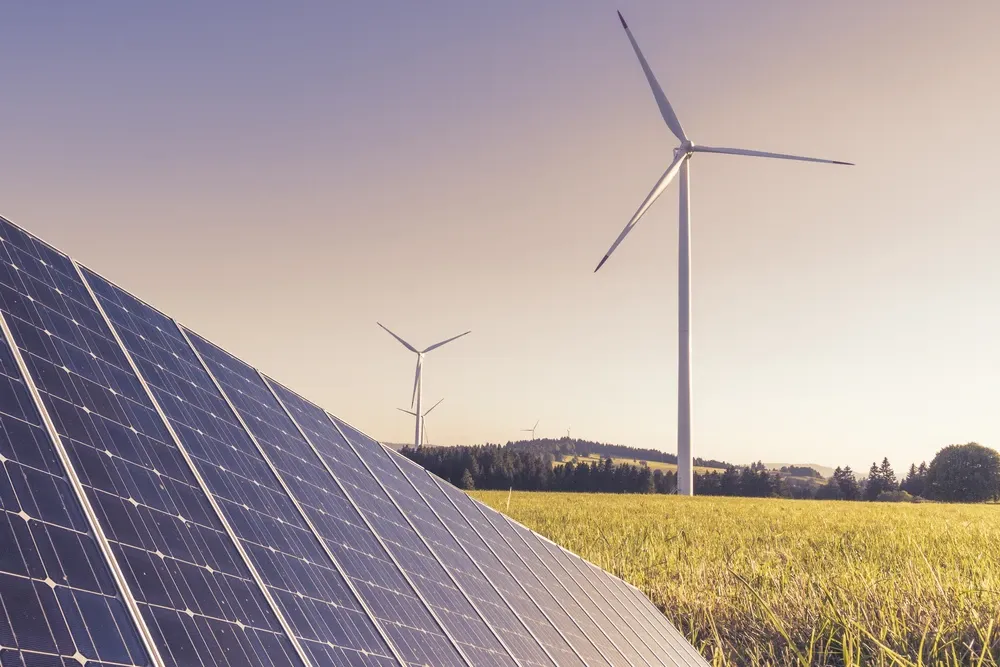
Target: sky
279 178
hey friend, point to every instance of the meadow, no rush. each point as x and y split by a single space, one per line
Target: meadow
795 582
653 465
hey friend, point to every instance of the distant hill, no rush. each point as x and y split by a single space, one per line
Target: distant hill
825 471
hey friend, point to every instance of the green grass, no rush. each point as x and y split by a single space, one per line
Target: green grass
795 582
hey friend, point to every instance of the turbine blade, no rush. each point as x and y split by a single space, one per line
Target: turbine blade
409 412
416 383
405 344
432 407
661 99
536 425
437 345
657 190
779 156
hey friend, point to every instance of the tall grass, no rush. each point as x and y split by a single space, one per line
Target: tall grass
783 582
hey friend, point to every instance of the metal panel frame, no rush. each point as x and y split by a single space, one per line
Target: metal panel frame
666 628
288 492
604 599
117 574
592 601
197 475
423 540
392 457
621 608
480 507
364 518
527 593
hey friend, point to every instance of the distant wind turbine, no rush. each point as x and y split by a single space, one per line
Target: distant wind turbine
423 421
681 163
417 377
531 430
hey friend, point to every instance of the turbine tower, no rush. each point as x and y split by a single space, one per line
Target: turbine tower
423 420
417 377
681 164
531 430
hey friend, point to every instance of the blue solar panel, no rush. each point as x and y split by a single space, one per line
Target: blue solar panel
530 619
604 609
192 512
52 573
196 598
456 612
671 649
464 573
334 518
308 590
389 595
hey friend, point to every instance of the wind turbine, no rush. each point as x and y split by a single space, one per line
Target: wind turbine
417 378
531 430
681 164
423 420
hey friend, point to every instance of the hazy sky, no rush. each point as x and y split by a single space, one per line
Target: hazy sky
278 178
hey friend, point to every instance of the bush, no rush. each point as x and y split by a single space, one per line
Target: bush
897 497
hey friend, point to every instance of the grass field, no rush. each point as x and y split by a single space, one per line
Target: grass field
795 582
653 465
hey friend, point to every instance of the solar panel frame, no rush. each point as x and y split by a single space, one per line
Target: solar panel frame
400 461
478 518
362 515
623 591
196 473
659 620
305 517
572 564
97 531
433 558
569 562
434 550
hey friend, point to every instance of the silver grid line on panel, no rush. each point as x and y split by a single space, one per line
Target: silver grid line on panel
197 475
391 456
424 541
602 609
526 592
666 627
614 583
574 597
544 585
364 519
614 602
74 480
295 502
406 575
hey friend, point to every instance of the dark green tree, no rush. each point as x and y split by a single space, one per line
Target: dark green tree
467 482
967 473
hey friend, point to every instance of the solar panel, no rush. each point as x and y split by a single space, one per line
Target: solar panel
163 503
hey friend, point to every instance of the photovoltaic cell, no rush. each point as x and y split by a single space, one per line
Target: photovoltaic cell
53 577
244 524
523 574
672 648
294 461
191 591
455 611
529 616
412 629
492 608
307 589
604 609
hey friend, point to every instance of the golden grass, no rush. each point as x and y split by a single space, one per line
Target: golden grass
795 582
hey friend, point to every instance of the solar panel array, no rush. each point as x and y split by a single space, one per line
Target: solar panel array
164 503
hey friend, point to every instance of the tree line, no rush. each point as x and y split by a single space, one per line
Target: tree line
575 447
958 473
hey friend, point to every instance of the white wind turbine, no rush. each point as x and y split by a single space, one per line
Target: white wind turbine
417 377
423 420
681 163
531 430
